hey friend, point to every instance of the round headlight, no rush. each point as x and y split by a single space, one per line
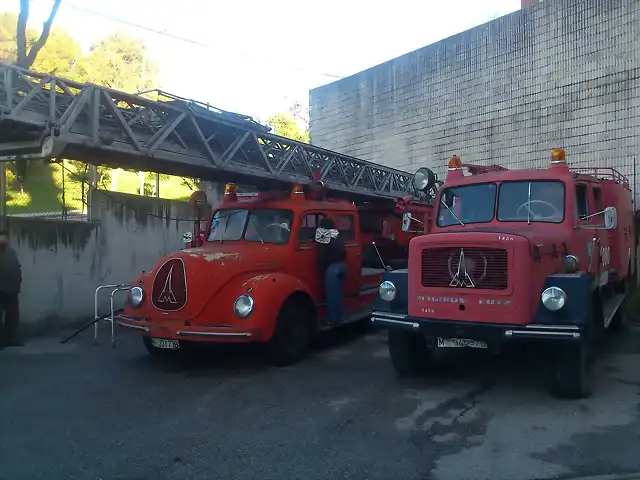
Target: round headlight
135 296
387 291
554 298
243 306
571 264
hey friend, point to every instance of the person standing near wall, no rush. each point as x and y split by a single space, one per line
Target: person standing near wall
10 284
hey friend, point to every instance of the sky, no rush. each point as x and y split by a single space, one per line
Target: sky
257 57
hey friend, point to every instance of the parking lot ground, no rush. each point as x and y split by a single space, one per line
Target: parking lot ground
79 411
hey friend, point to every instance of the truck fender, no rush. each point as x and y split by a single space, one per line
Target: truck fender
270 291
400 304
579 291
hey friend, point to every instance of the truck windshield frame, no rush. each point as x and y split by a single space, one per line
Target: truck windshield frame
548 199
467 204
261 225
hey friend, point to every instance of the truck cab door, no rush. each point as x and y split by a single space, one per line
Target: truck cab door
592 227
345 223
305 264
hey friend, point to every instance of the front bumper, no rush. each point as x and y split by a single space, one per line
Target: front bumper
179 331
493 334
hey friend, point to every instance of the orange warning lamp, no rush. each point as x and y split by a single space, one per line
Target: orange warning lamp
557 155
297 190
455 163
230 191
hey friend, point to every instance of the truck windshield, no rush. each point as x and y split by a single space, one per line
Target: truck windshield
533 201
467 204
259 225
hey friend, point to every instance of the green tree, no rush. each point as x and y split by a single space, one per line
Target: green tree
119 62
285 125
57 56
27 51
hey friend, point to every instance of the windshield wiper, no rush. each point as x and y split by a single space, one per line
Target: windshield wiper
451 212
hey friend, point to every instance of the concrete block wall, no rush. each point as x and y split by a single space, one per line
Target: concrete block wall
64 261
556 73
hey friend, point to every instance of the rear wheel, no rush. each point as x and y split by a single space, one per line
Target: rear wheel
292 337
410 353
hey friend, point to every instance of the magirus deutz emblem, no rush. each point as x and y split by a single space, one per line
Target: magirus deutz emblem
471 269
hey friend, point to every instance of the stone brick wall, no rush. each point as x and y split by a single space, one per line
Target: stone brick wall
557 73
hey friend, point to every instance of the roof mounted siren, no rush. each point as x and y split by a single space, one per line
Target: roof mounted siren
424 180
558 159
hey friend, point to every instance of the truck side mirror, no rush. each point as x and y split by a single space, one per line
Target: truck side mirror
610 218
406 221
187 237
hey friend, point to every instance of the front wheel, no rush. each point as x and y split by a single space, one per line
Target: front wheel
185 355
410 353
573 372
292 337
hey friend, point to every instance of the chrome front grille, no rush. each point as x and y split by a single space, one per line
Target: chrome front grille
465 267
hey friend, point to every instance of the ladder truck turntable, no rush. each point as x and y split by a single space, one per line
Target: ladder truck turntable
249 272
542 255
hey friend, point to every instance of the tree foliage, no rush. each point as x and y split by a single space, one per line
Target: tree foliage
57 56
120 62
285 125
26 52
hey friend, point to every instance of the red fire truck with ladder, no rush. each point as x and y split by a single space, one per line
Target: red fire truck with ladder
250 274
544 255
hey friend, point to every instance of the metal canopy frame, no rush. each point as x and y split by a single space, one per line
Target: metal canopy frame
173 135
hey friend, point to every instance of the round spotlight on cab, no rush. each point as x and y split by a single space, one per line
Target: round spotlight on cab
424 179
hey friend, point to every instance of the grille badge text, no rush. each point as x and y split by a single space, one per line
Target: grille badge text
441 299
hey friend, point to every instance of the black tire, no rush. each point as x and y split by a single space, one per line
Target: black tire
573 372
410 353
620 319
153 351
185 354
292 337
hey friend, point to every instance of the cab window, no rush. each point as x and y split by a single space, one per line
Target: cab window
310 222
344 224
597 199
269 226
531 201
582 201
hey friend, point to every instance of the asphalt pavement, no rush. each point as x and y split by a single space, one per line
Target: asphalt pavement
81 411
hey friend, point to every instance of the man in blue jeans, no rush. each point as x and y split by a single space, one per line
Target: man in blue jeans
331 262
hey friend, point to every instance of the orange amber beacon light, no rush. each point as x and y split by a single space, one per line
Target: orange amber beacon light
455 162
557 155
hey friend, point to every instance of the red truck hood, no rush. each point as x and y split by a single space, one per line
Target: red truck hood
192 277
537 234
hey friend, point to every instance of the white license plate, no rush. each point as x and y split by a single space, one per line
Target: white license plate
163 343
460 343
